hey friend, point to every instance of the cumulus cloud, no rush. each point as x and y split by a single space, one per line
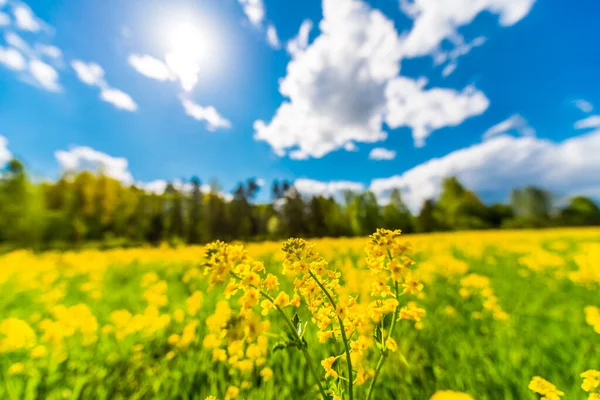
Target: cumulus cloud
25 19
592 121
514 123
260 182
344 85
89 73
213 119
310 187
272 37
435 21
380 153
118 98
50 51
5 155
45 75
176 66
336 85
36 64
150 67
501 163
584 105
254 10
92 74
12 59
425 110
300 42
4 19
84 158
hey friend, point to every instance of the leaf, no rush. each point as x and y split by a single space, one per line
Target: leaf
296 319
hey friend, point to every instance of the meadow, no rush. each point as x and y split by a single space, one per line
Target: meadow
470 315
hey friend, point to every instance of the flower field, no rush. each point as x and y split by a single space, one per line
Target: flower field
474 315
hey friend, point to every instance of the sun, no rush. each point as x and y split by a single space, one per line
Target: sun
188 40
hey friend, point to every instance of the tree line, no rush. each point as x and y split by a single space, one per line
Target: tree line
92 209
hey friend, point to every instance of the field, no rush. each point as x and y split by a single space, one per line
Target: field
495 310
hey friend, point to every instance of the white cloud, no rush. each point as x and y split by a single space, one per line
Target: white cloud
299 155
425 110
45 75
159 186
436 20
584 105
254 10
4 19
514 123
460 49
12 59
89 73
84 158
213 119
5 155
25 19
272 37
260 182
300 42
185 67
177 66
502 163
92 74
18 43
150 67
336 86
49 51
118 98
345 84
350 146
310 187
380 153
592 121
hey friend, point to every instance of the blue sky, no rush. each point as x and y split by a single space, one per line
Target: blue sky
368 94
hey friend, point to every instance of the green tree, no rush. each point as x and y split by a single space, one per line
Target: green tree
395 215
580 211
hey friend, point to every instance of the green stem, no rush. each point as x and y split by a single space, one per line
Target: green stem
343 330
294 331
384 353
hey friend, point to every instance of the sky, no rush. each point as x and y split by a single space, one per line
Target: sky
331 94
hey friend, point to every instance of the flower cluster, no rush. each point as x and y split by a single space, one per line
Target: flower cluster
592 317
478 285
548 391
591 384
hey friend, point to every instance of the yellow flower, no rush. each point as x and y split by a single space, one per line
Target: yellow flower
232 393
282 299
548 390
412 286
591 380
170 355
327 365
39 352
178 315
250 298
174 339
271 282
391 344
194 302
450 395
266 373
17 335
16 369
210 398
